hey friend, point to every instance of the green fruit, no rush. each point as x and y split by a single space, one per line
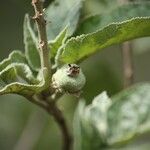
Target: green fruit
69 78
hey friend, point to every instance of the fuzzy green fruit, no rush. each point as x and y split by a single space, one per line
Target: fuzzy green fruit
69 78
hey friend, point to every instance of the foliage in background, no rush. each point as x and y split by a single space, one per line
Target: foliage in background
113 122
99 31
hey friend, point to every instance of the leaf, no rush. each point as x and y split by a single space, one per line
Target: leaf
94 121
107 123
129 116
122 13
14 57
18 78
16 72
81 47
31 48
62 13
57 43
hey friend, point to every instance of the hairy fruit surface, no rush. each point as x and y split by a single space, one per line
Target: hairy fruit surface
69 78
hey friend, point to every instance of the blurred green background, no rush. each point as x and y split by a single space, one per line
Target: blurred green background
24 126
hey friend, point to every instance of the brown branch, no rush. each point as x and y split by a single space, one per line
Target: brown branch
43 44
53 110
127 64
45 63
128 74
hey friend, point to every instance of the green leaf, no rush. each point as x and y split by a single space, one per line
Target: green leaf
107 123
129 115
122 13
18 78
31 45
62 13
81 47
14 57
54 45
90 129
15 72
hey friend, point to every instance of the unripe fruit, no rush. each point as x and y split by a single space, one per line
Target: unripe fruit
69 78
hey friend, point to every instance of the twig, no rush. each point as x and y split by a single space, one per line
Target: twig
128 74
51 107
45 63
59 118
43 44
35 100
127 64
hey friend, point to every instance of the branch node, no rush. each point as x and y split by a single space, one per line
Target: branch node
42 44
51 108
34 2
44 49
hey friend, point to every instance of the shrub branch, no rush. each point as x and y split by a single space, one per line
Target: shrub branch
49 106
127 64
128 69
43 44
59 118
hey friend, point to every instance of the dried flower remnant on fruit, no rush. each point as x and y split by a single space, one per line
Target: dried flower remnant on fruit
73 70
69 78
